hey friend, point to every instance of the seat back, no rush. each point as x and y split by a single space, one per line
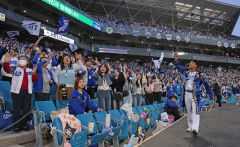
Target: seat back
6 94
85 119
115 114
100 117
62 104
46 106
58 124
95 102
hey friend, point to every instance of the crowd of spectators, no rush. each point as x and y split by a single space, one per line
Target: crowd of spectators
32 70
148 26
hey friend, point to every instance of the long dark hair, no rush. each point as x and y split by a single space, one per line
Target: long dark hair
137 84
62 64
148 82
99 71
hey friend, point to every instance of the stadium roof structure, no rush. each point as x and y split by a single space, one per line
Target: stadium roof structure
194 14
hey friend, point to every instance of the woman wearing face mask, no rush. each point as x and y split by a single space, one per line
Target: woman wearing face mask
80 101
21 89
138 88
102 76
43 85
13 65
64 77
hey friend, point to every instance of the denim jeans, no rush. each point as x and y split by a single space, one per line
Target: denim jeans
117 99
128 99
137 100
104 99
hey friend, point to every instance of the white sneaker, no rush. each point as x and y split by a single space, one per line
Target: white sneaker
236 104
189 130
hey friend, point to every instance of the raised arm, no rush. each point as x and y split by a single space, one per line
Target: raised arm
35 58
37 42
177 64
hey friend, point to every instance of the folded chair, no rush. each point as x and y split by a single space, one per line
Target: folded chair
94 136
77 140
117 120
132 127
100 118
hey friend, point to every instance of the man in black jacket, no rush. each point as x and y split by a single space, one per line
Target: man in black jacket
217 91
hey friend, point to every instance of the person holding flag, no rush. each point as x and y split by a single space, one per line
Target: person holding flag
193 80
43 53
158 62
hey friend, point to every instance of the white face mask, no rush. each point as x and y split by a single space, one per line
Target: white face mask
22 62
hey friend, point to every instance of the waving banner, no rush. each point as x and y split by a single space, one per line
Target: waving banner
33 27
64 25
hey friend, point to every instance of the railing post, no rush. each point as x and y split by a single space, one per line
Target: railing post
37 128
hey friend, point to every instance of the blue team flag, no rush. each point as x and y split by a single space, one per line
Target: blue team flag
33 27
73 47
64 24
85 52
11 34
163 70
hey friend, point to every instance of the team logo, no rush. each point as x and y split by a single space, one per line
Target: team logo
109 30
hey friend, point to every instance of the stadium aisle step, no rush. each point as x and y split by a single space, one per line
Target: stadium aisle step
9 137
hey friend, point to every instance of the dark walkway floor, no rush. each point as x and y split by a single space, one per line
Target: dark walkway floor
218 128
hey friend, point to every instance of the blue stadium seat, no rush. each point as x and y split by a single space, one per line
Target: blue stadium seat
53 92
141 121
132 125
47 107
153 115
78 139
95 137
6 94
164 99
95 101
57 123
117 120
157 111
62 104
100 118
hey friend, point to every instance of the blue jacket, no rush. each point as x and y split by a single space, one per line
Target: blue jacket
237 90
35 60
170 104
178 89
197 83
38 86
170 91
75 104
91 79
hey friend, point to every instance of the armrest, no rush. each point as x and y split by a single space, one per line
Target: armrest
101 123
115 120
85 128
54 130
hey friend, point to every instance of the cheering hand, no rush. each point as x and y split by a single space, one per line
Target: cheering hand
34 69
7 57
176 56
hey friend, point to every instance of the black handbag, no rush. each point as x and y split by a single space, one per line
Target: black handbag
125 93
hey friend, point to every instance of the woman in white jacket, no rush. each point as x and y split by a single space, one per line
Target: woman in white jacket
21 89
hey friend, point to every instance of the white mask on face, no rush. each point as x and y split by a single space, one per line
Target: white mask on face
22 62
